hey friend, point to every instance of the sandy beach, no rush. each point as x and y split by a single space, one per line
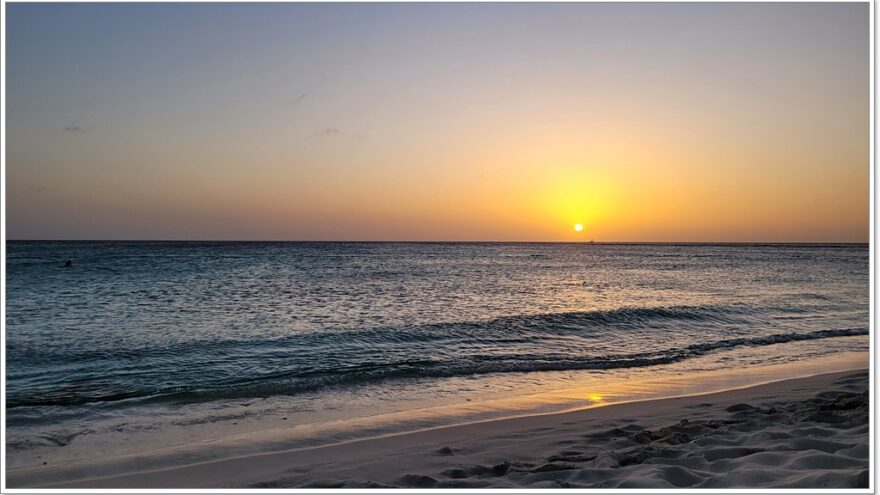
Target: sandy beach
810 432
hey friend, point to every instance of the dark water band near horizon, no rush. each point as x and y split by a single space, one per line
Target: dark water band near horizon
141 346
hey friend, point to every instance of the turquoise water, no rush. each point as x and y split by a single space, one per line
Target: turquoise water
142 336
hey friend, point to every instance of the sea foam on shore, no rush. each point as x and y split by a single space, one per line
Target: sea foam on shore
808 432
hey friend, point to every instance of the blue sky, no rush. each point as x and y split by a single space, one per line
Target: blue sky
438 121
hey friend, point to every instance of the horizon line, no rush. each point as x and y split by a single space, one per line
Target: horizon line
441 241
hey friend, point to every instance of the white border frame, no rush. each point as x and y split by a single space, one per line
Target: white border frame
871 239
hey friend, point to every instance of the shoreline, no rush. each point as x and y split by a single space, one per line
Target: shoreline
273 468
273 426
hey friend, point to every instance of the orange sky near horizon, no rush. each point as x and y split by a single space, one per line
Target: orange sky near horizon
660 122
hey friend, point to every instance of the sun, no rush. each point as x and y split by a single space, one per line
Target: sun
578 227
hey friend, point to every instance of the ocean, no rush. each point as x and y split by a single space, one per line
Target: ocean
204 348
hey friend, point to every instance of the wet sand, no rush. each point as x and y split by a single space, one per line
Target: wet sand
808 432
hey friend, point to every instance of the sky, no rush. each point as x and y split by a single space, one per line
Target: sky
667 122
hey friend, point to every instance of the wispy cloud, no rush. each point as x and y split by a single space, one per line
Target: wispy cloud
74 128
329 131
298 99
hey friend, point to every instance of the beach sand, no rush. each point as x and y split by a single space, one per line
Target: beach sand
808 432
